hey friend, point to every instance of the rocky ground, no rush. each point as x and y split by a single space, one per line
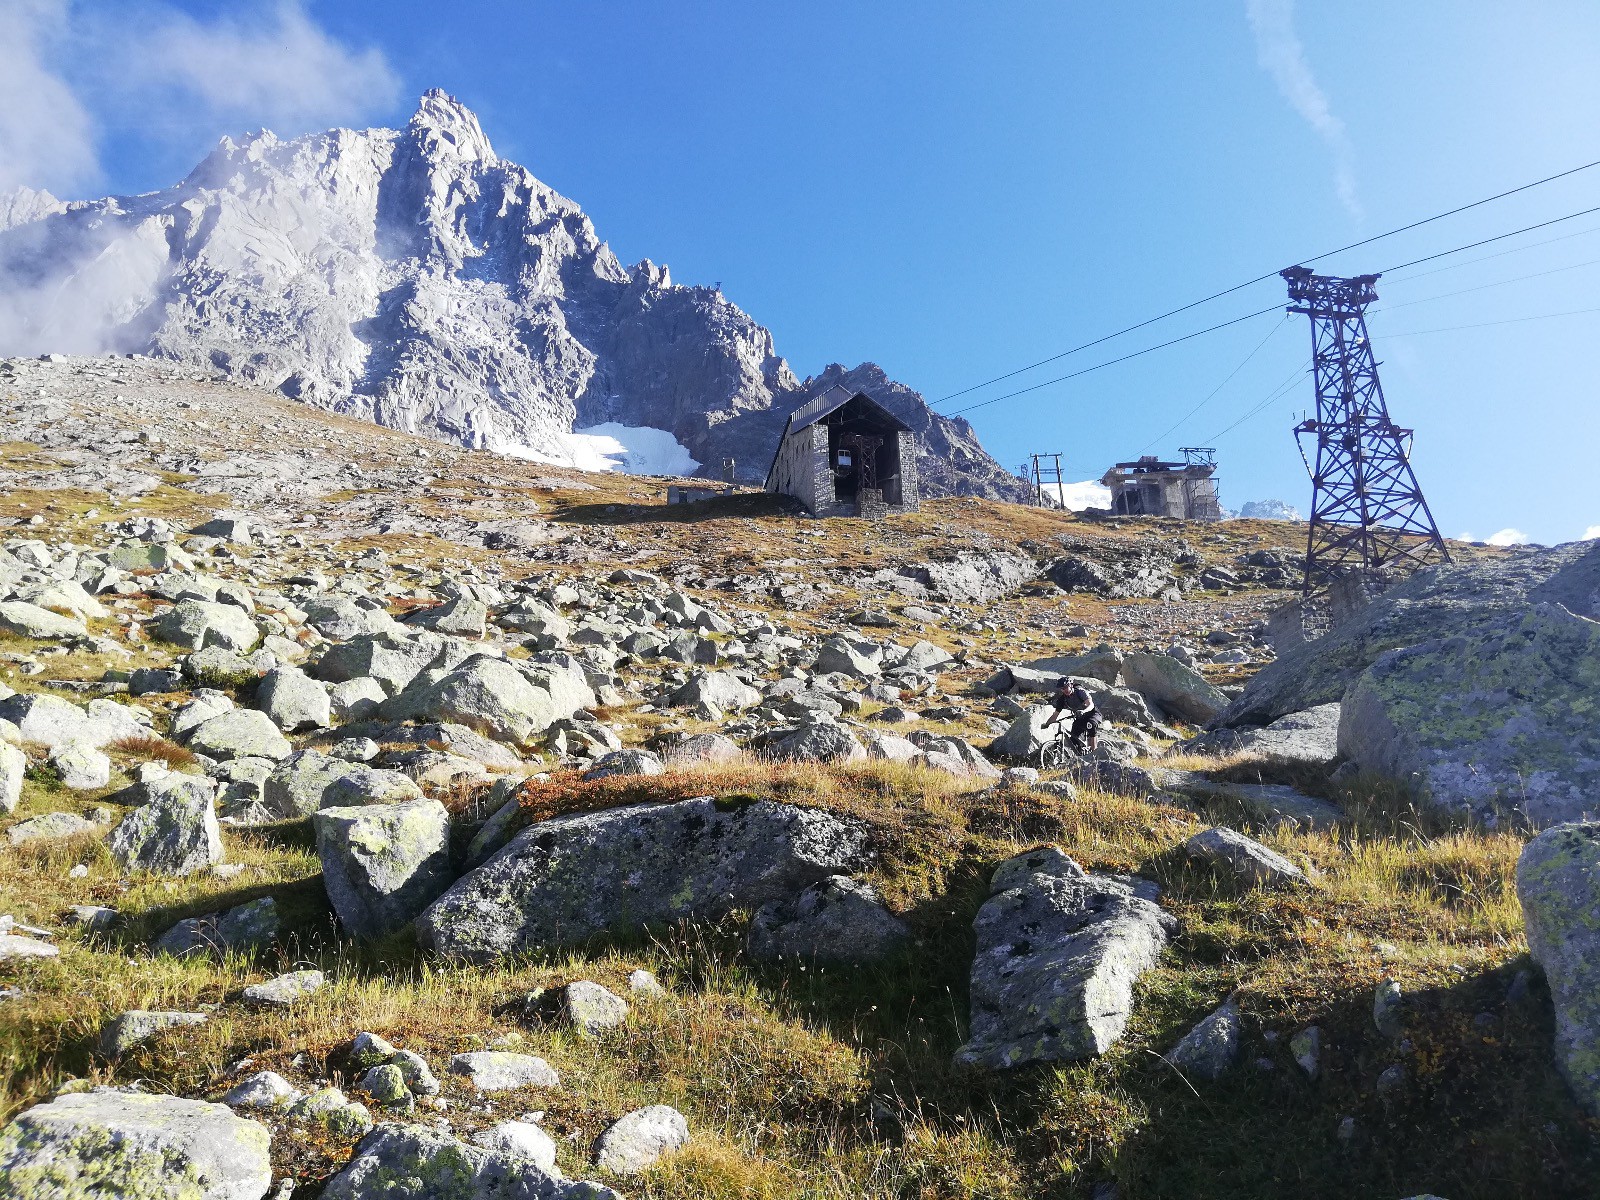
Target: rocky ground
382 815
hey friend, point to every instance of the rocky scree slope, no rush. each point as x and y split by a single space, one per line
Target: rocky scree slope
415 278
291 689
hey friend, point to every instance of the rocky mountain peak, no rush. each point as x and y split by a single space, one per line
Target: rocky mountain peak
447 128
414 278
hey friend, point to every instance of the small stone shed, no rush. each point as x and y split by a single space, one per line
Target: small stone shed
843 454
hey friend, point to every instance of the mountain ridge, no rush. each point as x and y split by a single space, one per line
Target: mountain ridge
415 278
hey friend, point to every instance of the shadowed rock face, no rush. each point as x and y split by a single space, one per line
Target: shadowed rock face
414 278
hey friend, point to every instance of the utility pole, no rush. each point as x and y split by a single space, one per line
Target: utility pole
1046 472
1367 509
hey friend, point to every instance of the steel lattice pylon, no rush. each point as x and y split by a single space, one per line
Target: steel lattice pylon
1367 510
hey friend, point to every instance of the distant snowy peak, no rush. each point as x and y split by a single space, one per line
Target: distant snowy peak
415 278
1270 510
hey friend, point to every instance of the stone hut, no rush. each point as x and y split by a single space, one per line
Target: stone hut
843 454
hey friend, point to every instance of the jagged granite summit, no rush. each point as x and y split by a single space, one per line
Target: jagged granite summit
416 279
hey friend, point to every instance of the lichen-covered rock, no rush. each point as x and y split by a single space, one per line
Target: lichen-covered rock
298 785
562 881
359 784
197 624
637 1141
1243 857
492 696
1212 1046
332 1109
412 1162
838 919
502 1071
248 926
591 1008
1059 951
13 945
1163 680
1558 882
1027 734
393 659
133 1146
1496 721
293 700
1436 603
175 832
239 733
122 1033
383 864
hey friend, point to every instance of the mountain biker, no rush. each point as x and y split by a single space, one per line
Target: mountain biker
1079 702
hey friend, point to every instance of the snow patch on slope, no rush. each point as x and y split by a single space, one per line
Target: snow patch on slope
632 449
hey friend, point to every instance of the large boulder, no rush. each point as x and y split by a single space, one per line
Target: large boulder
293 700
1558 882
238 733
298 785
1303 739
175 832
383 864
1059 951
1435 603
1103 663
973 576
130 1144
818 741
837 919
494 697
31 621
1493 723
413 1162
1164 681
855 657
1244 858
197 624
394 659
719 689
51 721
562 881
1027 734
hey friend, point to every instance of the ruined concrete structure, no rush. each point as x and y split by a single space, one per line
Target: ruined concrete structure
1152 488
844 455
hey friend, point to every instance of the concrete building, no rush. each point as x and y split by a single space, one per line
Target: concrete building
1152 488
843 454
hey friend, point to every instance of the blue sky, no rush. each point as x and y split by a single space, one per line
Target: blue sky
955 190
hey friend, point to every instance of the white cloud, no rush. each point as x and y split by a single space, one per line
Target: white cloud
69 72
46 135
1590 534
274 67
1281 55
1508 537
